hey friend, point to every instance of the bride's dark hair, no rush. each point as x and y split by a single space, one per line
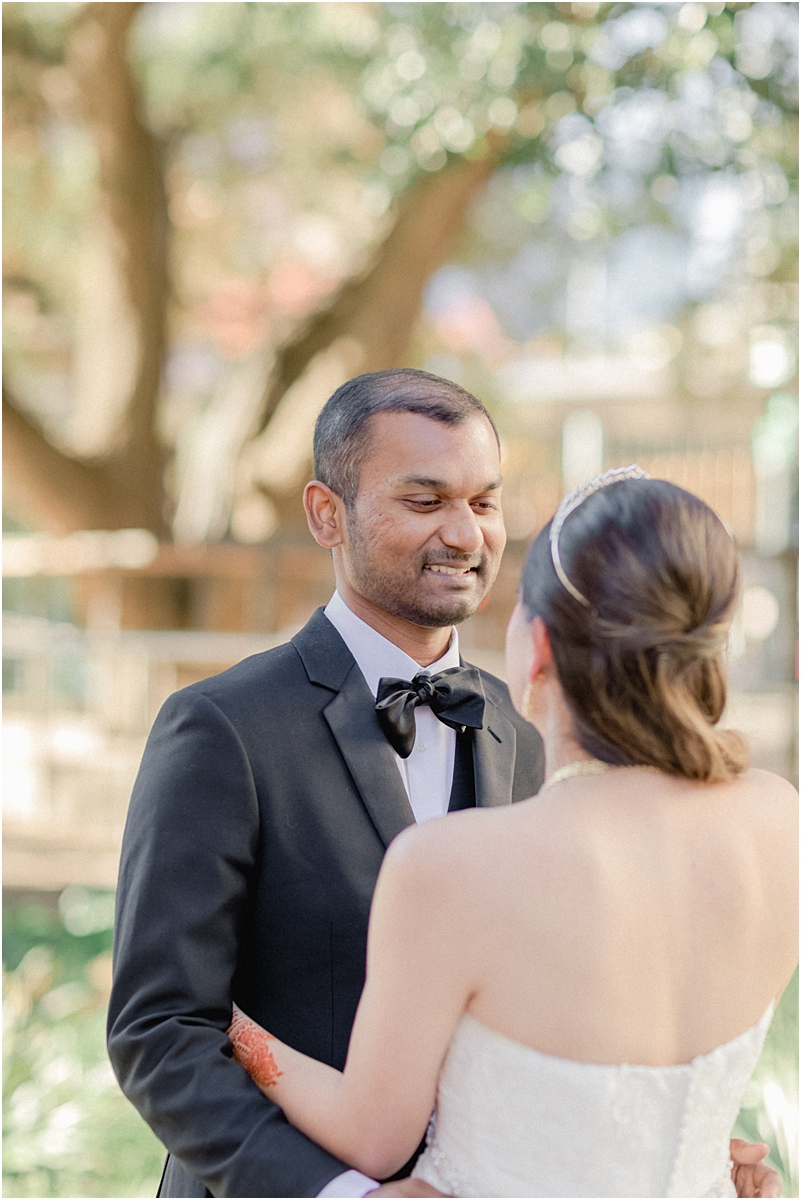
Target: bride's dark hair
642 664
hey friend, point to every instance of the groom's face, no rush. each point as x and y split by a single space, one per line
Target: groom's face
424 538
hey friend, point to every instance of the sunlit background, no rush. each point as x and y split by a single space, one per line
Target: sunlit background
215 213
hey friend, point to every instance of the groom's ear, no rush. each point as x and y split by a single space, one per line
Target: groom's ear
324 513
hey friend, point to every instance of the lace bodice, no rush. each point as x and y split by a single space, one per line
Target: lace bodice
512 1121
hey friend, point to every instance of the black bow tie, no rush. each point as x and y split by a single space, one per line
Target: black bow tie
455 696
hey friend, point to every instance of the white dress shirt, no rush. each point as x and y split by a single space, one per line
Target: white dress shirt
427 773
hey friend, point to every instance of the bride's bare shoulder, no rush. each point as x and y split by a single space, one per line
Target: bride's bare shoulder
765 817
757 777
452 842
770 794
466 849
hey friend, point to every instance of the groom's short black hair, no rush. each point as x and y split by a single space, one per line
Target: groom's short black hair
342 433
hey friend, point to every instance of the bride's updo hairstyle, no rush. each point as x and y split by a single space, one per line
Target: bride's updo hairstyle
640 659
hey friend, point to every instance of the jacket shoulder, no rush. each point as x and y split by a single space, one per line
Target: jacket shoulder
497 693
315 655
530 757
277 662
257 684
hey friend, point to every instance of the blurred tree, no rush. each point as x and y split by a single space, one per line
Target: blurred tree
215 213
119 337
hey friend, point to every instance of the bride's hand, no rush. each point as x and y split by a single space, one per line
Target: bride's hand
253 1050
750 1175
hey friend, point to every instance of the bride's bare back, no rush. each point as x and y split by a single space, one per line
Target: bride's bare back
619 918
633 917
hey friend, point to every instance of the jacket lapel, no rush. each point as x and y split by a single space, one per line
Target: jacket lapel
494 756
351 718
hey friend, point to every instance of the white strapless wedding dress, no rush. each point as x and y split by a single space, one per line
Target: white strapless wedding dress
511 1121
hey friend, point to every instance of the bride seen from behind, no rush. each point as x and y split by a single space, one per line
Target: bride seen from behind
641 909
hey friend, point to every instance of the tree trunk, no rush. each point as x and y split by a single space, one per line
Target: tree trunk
134 205
123 486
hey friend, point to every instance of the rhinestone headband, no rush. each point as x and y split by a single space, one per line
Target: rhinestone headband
569 505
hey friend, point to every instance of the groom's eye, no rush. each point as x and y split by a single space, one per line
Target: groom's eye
423 502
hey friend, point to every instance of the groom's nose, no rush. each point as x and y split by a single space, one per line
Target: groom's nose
460 529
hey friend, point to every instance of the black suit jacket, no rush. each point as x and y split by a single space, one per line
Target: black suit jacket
264 804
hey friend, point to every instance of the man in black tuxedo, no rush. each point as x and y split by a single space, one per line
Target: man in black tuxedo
268 794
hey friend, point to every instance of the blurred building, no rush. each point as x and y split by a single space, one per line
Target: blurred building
79 701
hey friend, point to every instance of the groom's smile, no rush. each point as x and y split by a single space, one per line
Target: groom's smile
440 569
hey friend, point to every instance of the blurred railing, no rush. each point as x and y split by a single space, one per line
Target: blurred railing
79 704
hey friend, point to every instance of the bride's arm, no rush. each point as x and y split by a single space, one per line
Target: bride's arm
374 1114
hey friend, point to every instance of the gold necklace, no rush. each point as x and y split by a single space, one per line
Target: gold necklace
584 766
590 766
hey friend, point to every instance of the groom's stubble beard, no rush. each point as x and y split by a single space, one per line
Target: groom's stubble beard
400 591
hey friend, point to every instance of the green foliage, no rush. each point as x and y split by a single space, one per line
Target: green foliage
770 1107
29 924
288 131
68 1130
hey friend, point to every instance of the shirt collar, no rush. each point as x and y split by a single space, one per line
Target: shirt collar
376 656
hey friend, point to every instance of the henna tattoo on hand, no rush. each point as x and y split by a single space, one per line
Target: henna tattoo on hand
252 1050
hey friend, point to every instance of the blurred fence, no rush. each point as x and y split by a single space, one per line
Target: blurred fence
79 704
78 708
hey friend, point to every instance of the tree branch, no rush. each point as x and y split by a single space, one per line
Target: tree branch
379 310
60 494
